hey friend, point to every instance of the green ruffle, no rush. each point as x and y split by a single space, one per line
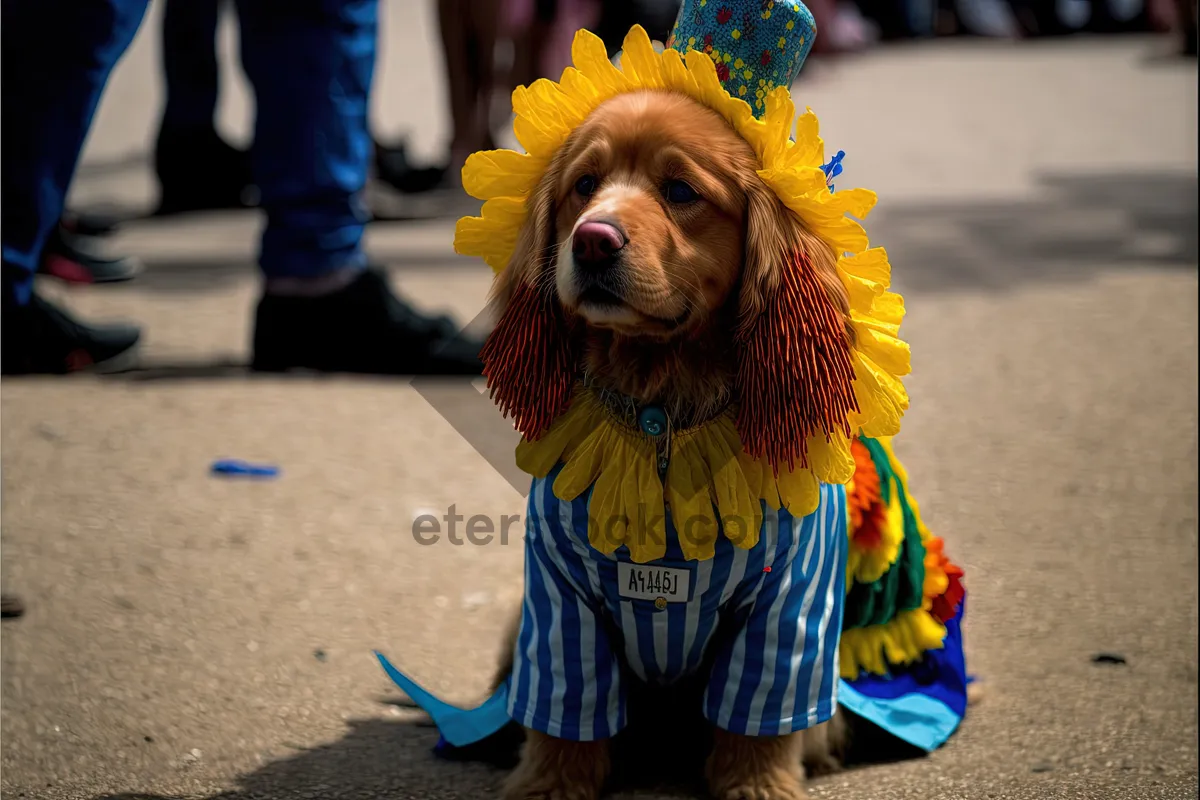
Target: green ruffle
901 587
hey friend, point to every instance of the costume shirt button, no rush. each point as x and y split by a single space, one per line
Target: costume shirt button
653 421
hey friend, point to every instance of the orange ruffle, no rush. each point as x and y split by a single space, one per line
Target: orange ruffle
943 588
863 492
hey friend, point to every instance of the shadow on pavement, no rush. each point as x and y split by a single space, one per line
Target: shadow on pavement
385 203
1076 226
190 273
376 758
661 754
1079 225
225 369
200 370
380 758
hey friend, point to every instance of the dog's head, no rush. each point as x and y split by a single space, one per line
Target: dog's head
649 216
655 256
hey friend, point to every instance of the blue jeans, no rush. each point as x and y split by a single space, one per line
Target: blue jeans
310 63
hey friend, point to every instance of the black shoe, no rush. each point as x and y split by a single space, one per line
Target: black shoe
75 258
41 339
362 328
199 171
393 168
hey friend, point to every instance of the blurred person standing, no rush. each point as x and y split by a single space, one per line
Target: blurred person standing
993 18
541 33
196 168
469 30
560 20
310 63
1186 25
1177 17
1066 17
841 26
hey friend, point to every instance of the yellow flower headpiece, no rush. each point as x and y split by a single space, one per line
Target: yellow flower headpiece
546 115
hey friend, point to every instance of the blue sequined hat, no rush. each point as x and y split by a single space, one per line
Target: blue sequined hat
756 44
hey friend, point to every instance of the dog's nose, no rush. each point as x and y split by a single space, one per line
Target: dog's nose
595 243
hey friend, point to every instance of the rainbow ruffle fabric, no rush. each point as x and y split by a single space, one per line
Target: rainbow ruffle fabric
901 589
900 655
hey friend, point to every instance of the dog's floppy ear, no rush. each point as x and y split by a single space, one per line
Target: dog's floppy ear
794 376
531 358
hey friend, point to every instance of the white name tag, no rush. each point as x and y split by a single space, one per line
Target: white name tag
641 582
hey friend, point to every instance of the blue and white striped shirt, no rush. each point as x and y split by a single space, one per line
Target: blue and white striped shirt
580 639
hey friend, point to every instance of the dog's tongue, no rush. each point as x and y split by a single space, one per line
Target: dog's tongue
756 44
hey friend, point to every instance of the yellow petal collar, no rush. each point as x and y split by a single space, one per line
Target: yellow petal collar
711 485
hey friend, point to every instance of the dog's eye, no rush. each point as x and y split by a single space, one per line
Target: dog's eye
585 185
679 192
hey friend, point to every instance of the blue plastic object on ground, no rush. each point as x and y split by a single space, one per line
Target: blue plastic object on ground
236 467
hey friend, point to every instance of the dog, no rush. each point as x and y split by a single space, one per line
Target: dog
657 243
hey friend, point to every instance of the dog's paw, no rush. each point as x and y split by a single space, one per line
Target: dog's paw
555 769
766 789
561 793
822 765
825 746
756 767
545 790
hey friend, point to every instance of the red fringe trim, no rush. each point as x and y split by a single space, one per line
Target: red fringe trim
530 361
795 377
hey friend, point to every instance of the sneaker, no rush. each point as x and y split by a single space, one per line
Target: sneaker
41 339
75 258
393 168
363 328
199 171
